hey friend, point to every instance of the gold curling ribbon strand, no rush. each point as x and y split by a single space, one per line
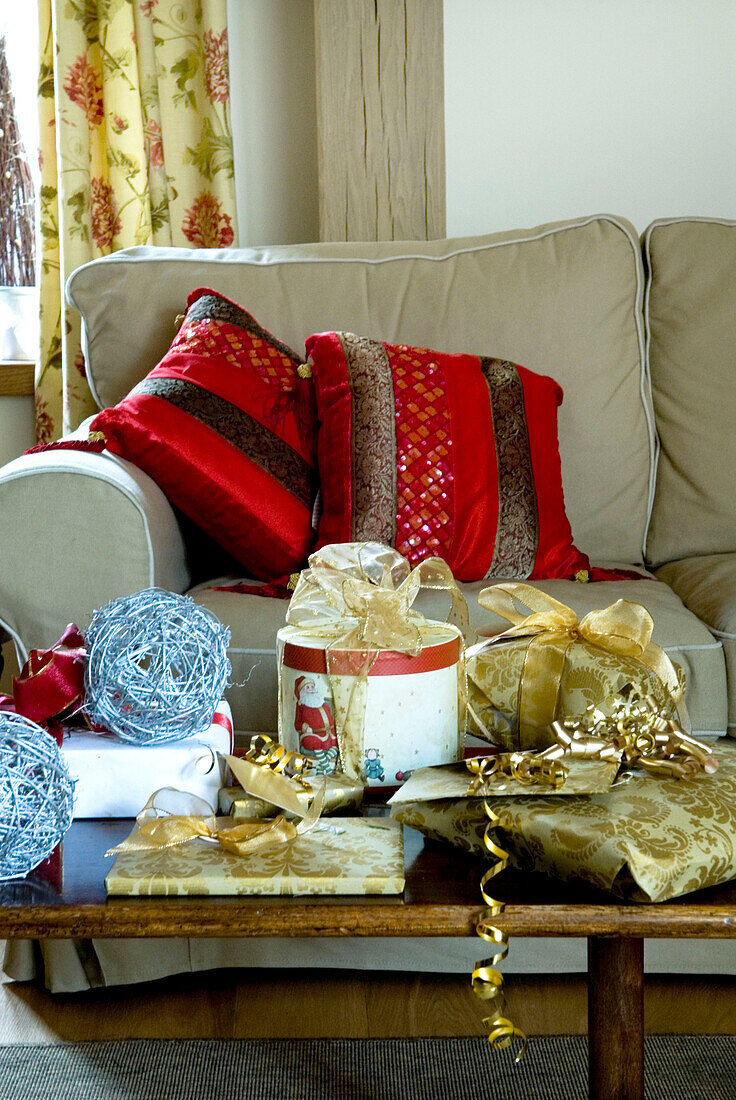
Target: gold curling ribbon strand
640 730
487 980
266 752
492 773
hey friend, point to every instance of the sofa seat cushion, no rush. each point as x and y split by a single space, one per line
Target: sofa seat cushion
254 621
691 323
707 586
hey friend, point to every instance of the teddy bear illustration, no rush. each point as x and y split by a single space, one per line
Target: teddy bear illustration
373 765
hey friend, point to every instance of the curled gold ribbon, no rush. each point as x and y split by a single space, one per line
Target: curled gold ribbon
267 753
623 628
487 979
640 730
492 773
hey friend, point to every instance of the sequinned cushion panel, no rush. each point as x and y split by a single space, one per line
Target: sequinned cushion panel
226 427
441 454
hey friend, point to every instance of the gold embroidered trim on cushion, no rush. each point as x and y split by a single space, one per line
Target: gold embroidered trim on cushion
254 440
517 533
373 439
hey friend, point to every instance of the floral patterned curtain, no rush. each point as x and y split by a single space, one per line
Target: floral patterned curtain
136 148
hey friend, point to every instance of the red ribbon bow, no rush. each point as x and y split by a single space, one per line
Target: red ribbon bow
51 682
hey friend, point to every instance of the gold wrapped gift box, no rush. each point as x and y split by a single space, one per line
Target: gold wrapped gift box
648 839
548 665
342 856
341 793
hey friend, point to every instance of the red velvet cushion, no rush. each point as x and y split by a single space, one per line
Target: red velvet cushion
226 427
437 454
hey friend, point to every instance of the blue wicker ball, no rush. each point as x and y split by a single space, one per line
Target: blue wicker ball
157 666
36 795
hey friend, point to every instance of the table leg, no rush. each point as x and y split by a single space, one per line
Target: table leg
615 1018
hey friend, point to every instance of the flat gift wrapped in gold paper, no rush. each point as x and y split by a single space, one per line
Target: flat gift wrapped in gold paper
648 839
455 781
548 665
341 793
347 855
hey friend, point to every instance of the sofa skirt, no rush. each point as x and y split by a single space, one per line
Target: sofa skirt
73 966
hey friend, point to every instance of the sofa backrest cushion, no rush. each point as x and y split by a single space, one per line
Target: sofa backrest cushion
690 315
563 300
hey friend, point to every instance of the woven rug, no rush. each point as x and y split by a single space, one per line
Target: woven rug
554 1068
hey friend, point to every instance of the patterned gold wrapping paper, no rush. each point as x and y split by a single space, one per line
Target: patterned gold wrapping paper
648 839
589 675
341 793
548 665
344 856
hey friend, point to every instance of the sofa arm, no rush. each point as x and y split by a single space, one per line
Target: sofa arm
76 530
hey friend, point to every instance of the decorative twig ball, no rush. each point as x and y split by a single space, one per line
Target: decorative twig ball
157 666
36 795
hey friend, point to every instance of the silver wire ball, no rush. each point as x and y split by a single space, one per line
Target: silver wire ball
157 666
36 795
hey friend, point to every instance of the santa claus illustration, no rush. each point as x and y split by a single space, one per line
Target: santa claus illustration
315 724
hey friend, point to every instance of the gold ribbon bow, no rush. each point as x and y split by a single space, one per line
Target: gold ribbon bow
623 628
359 597
172 817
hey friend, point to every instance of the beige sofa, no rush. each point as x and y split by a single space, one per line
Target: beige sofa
640 334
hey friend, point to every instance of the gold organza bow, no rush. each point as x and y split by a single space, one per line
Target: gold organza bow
623 628
359 596
172 817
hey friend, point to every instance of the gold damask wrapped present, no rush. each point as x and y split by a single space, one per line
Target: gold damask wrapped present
343 856
180 847
549 665
648 839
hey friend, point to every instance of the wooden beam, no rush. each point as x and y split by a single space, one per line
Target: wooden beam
380 119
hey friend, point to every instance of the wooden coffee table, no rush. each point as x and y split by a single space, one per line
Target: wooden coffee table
441 899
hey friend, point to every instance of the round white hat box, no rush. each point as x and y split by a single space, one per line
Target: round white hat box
411 713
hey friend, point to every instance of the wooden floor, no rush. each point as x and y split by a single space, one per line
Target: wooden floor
265 1004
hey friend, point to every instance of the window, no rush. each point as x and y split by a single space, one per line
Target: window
19 183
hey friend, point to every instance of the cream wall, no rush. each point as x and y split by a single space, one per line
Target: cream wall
556 108
17 425
274 120
552 110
